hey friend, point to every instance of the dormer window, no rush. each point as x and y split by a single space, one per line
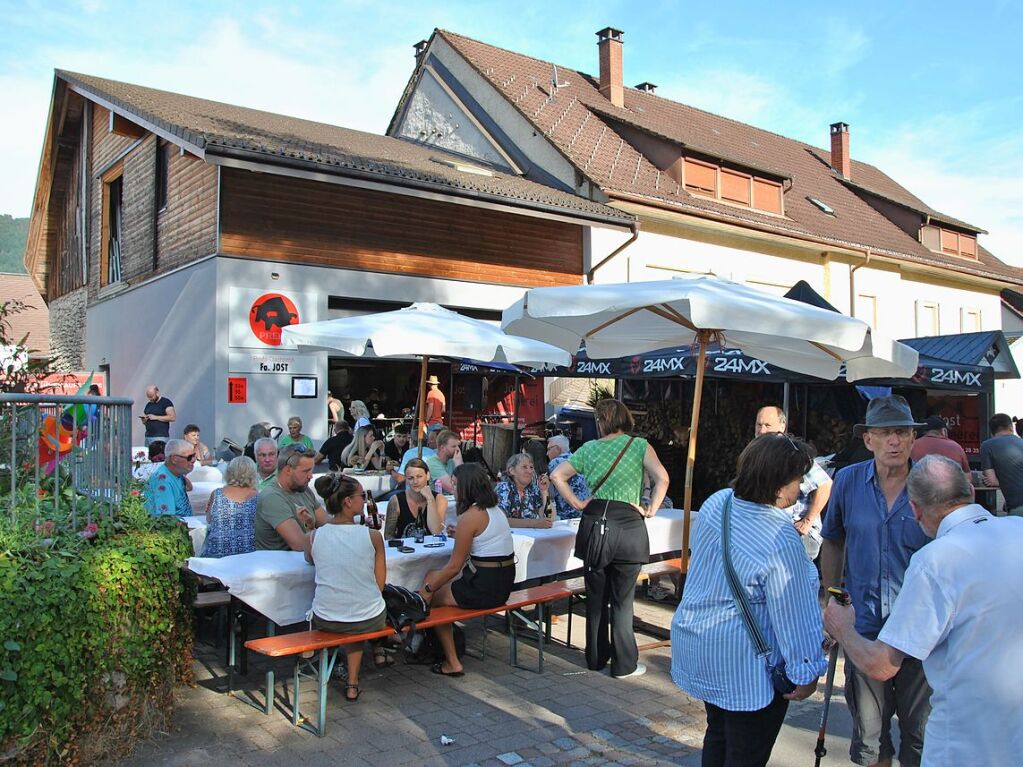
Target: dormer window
710 180
948 241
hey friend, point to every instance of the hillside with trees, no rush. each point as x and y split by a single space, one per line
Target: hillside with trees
13 232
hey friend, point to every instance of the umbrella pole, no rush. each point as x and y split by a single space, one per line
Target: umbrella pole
421 406
694 424
515 417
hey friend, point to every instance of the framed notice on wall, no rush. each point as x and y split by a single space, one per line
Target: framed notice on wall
303 387
237 390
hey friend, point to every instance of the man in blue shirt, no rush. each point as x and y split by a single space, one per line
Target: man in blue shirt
167 489
871 533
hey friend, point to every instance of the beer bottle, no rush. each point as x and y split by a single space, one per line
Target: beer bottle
372 513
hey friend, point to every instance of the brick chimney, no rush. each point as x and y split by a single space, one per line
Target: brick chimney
840 159
609 46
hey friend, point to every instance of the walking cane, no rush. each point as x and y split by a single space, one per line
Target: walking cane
842 597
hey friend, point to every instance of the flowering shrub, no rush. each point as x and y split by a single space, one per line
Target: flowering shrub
95 629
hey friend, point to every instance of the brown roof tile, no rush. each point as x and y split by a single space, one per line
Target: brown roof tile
34 320
580 123
217 128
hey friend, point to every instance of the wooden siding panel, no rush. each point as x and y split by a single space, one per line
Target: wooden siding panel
276 218
187 228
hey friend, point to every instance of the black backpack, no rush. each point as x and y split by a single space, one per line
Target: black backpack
404 609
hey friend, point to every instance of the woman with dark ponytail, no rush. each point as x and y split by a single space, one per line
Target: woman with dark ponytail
351 569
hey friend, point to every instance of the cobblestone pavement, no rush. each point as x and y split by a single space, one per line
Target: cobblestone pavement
496 715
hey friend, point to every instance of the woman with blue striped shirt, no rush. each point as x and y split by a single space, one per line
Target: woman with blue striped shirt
712 655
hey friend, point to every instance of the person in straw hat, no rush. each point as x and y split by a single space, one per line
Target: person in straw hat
435 403
870 533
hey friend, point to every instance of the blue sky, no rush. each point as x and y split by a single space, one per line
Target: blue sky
930 89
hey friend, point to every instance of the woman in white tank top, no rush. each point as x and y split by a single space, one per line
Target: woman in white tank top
483 545
351 569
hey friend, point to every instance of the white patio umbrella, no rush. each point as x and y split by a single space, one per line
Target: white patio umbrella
421 330
631 318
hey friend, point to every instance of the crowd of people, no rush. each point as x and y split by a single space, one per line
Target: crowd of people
932 578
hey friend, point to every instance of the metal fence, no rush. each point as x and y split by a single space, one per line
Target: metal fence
64 450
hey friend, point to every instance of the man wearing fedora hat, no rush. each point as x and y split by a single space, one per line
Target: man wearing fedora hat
870 533
435 403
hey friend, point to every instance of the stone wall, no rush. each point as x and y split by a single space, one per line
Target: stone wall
67 330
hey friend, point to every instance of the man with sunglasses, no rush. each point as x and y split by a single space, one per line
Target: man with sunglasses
814 490
870 532
287 509
167 488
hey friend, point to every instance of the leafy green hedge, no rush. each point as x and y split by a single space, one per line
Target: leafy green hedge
95 632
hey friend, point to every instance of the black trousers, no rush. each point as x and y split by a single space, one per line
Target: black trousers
742 738
611 590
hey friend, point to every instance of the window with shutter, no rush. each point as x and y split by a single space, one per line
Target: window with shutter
701 178
735 187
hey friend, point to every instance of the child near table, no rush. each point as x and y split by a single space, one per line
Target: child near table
351 570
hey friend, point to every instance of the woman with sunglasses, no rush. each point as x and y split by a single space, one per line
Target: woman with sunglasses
713 657
351 569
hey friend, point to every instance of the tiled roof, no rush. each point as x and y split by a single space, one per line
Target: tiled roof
215 128
34 320
580 123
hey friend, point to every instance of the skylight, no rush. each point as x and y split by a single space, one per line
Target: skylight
464 167
822 205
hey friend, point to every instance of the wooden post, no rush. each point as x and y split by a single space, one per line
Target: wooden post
421 406
694 424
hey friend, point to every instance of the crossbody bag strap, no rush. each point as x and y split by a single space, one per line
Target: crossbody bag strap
738 593
593 490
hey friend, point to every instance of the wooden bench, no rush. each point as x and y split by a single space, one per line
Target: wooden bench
577 590
307 645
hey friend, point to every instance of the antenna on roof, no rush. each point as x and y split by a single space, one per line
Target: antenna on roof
555 82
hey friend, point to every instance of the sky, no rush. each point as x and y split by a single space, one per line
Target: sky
930 90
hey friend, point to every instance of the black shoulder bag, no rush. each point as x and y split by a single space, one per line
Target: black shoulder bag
597 552
781 683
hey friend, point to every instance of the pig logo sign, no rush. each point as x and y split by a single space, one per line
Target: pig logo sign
269 314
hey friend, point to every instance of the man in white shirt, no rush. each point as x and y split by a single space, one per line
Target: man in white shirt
958 612
814 490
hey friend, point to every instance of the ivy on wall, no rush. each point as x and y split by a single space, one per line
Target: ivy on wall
95 631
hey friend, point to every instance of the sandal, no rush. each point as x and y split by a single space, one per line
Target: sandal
381 659
352 698
438 668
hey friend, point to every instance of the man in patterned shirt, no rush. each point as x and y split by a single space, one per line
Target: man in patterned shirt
167 489
557 453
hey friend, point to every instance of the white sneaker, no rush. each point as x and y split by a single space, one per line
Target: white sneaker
640 670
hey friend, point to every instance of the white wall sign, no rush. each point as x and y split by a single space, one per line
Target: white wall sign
258 316
281 364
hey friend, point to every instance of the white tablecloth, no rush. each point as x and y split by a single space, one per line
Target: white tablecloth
196 531
373 482
541 553
200 494
280 584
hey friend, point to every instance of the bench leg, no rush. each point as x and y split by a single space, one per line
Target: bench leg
483 655
268 703
321 670
539 625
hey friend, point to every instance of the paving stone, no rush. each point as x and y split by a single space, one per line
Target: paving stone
510 758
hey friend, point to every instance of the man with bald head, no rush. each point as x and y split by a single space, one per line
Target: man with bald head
814 490
958 612
158 415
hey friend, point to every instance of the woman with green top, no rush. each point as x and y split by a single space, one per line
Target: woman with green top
612 539
295 435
